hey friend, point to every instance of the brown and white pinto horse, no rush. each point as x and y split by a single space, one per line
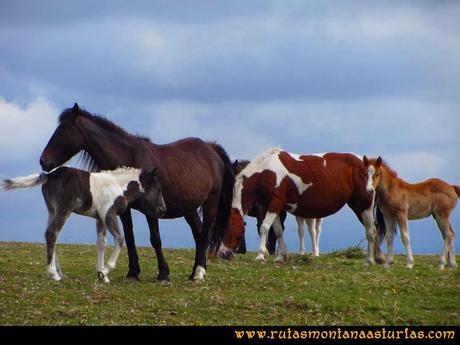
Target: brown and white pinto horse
400 201
307 186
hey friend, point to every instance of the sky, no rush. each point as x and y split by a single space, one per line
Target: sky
370 77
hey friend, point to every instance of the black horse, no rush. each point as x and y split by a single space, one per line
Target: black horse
194 174
258 213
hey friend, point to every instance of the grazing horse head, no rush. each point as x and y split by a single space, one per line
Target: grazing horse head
373 170
232 236
66 141
152 200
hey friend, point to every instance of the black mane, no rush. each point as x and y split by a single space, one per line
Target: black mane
100 120
85 161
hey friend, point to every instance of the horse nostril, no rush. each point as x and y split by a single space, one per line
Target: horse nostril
228 255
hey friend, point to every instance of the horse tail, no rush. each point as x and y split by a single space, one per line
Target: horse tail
225 200
457 190
379 221
23 182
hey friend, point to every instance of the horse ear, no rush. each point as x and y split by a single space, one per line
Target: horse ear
366 161
75 107
379 162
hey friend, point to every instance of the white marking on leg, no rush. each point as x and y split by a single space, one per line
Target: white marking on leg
319 222
267 223
101 245
200 272
301 232
282 248
52 271
405 237
371 233
311 224
114 257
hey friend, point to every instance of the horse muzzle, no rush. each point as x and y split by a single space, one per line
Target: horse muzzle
226 254
47 165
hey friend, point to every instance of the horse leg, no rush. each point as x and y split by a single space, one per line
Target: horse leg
390 223
452 259
266 224
133 259
312 229
319 222
112 225
201 236
101 246
301 232
366 218
282 252
405 237
155 240
194 221
55 224
445 228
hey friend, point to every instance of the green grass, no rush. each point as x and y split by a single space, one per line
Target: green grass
334 289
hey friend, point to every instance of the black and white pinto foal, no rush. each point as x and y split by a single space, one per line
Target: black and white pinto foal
101 195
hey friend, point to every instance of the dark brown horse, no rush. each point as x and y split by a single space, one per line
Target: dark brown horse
307 186
194 174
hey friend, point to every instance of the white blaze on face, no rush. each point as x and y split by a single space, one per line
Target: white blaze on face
370 175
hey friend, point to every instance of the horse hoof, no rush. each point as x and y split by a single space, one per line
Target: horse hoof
132 279
441 267
200 272
409 266
260 257
380 260
281 259
54 277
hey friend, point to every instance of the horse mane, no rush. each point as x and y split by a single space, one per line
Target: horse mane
253 166
122 171
393 174
100 120
85 160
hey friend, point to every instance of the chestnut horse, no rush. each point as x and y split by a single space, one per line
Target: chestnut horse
401 201
313 225
307 186
193 174
256 212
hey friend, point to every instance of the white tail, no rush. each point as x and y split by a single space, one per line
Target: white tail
23 182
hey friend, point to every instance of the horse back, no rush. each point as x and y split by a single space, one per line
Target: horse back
189 170
68 188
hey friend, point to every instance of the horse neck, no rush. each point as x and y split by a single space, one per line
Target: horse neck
387 182
243 205
109 150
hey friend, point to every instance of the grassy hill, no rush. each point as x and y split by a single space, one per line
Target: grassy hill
335 289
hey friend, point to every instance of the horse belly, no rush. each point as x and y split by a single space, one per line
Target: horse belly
314 206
